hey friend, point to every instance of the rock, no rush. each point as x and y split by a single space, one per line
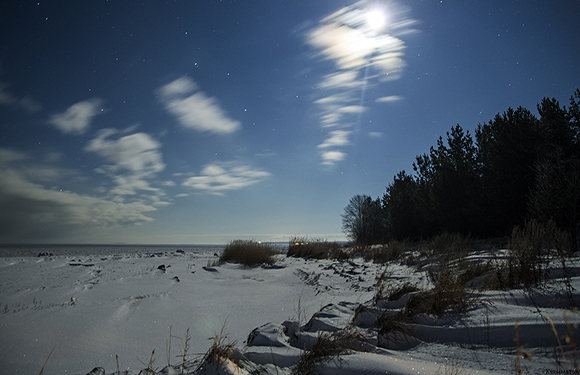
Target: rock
162 267
291 327
97 371
176 279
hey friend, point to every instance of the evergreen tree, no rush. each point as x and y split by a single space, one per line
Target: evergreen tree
508 147
556 190
448 179
402 220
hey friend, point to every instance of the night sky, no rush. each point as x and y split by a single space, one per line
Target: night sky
205 121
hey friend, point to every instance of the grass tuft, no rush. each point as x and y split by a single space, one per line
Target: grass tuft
449 294
328 344
249 253
220 350
393 329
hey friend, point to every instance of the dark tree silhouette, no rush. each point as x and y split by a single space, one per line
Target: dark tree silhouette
520 167
508 147
362 220
448 190
402 218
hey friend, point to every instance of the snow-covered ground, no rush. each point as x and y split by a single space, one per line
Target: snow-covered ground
93 310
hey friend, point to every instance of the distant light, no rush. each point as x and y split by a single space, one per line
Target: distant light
376 19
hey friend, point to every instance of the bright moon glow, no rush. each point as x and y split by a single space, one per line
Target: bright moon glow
376 19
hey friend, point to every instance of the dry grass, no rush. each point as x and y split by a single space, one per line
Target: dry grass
328 344
149 370
382 284
449 294
401 289
570 342
392 251
520 351
249 253
220 350
45 362
532 248
387 290
304 247
567 347
449 246
184 352
393 329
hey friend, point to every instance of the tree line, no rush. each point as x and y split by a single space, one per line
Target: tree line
518 167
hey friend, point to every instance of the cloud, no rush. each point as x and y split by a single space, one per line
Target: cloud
389 99
32 211
362 55
136 153
352 109
375 134
337 138
330 155
26 103
330 158
330 119
132 160
77 118
216 178
344 80
194 109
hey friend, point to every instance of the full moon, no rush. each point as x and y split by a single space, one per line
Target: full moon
376 19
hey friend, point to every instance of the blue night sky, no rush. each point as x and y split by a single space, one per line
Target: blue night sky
206 121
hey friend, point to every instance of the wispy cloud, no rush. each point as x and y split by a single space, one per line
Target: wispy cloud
77 118
352 109
332 157
361 52
389 99
26 103
219 177
32 209
337 138
133 160
194 109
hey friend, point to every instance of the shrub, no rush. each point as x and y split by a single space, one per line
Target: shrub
304 247
448 294
249 253
531 249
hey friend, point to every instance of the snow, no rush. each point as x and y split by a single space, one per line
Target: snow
91 309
